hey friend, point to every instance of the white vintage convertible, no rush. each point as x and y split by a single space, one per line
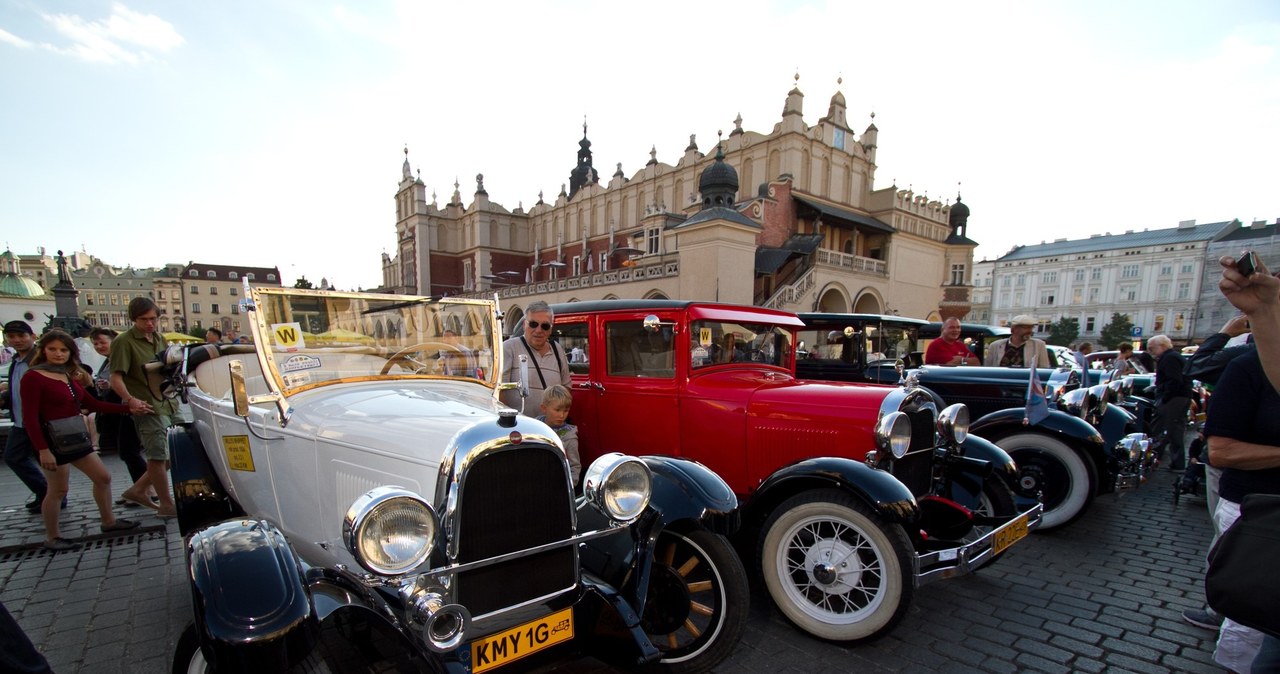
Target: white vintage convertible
352 472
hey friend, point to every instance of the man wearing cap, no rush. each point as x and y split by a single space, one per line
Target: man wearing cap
1020 348
18 452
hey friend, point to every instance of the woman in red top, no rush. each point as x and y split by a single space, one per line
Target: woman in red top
52 390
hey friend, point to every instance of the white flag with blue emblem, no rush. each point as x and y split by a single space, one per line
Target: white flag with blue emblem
1037 403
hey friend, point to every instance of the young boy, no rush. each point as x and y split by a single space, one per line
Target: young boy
555 410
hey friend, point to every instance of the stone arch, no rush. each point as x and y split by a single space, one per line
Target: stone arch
833 299
655 294
511 321
869 301
934 317
610 296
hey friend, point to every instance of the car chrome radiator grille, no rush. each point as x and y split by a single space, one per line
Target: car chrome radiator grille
514 499
915 470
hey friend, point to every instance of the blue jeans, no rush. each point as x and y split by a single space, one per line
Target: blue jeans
1268 659
21 457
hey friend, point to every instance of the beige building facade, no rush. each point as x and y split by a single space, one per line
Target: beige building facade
211 293
802 229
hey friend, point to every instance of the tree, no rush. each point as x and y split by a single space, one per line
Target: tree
1064 332
198 333
1117 332
303 283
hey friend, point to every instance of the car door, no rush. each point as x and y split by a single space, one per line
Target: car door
633 380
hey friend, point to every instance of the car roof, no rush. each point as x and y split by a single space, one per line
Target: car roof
816 317
704 310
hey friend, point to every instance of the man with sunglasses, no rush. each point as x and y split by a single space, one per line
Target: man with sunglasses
548 364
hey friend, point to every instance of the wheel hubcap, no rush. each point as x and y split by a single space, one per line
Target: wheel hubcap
833 565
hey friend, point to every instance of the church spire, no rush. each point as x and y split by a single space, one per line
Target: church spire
583 174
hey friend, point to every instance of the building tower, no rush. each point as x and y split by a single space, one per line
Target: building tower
583 174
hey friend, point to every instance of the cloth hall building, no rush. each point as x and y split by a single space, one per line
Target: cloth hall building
788 219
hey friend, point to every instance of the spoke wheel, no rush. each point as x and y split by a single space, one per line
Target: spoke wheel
835 569
697 603
1066 480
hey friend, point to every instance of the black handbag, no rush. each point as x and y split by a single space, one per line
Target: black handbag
68 436
1242 583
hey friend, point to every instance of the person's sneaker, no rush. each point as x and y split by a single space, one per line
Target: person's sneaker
121 524
1206 618
61 545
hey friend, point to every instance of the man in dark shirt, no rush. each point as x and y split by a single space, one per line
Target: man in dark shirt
1243 428
1173 397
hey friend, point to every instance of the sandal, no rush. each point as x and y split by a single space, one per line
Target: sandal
137 499
61 544
121 524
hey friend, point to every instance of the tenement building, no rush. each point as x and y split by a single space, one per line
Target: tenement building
212 292
789 219
1155 277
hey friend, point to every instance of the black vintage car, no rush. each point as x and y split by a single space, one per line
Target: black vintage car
1068 458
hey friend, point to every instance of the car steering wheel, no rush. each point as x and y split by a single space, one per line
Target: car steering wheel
418 366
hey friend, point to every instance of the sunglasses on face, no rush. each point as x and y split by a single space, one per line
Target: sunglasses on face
534 325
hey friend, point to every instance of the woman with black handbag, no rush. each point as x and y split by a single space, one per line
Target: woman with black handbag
53 393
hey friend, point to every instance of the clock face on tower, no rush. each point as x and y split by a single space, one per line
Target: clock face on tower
837 139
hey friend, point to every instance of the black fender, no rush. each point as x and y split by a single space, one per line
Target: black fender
1073 430
878 489
688 490
265 622
197 491
1116 423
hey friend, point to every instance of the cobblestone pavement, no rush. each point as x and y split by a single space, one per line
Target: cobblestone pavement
1105 594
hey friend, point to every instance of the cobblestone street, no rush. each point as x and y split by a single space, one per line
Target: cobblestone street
1105 594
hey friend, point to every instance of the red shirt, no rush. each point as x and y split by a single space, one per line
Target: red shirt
940 352
45 399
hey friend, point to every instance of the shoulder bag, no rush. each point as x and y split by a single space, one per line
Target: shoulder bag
1241 583
68 436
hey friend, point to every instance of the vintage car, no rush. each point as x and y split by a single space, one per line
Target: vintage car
353 466
852 494
1068 458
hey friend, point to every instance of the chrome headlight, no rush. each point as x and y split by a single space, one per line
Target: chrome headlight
389 530
893 434
1118 391
953 424
1075 403
1135 446
619 486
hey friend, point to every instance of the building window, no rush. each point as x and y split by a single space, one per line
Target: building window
467 282
102 299
233 275
1186 267
159 294
1158 326
194 289
213 308
1088 324
1184 290
1049 277
213 290
577 265
1095 274
89 299
249 275
271 277
1046 297
195 307
1129 271
1077 296
193 273
1022 280
1093 296
1079 275
234 291
1004 301
1166 269
1017 299
604 262
1178 322
653 238
115 299
235 309
211 274
1128 293
957 274
1006 282
1162 291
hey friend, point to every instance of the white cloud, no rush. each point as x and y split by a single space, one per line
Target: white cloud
124 37
9 38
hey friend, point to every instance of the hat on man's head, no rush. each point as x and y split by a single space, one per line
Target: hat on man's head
18 326
1024 319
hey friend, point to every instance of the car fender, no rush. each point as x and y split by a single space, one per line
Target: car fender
879 490
267 624
198 493
1074 430
975 447
688 490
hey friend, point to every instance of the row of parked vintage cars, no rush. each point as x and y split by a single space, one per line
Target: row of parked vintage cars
365 484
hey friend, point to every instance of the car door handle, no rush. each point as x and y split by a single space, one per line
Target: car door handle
587 385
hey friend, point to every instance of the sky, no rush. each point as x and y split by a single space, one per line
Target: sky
272 132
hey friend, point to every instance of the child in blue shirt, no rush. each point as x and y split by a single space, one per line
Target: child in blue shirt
555 410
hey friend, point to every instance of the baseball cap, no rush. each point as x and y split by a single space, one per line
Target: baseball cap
1024 319
18 326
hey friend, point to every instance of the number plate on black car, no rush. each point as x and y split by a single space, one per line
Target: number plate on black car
1016 531
531 637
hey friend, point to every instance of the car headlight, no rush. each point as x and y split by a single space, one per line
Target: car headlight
893 434
389 530
1135 445
619 486
1074 403
1118 391
953 424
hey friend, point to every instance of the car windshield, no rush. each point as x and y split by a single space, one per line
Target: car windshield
716 342
889 342
315 338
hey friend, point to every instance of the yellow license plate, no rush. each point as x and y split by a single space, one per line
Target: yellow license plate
1010 535
517 642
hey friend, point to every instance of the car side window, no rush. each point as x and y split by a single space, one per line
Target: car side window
715 342
634 351
573 339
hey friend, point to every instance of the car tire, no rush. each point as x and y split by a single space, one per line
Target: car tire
189 659
829 524
1066 479
697 631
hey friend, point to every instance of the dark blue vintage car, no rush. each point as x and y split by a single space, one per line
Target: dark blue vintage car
1069 458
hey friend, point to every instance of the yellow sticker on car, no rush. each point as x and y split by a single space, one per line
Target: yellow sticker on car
239 456
497 650
1006 536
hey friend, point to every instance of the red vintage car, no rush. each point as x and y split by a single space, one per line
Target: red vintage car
852 495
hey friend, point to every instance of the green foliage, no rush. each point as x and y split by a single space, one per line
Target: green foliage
198 333
303 283
1118 331
1064 332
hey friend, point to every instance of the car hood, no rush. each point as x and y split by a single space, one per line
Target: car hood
817 413
411 419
